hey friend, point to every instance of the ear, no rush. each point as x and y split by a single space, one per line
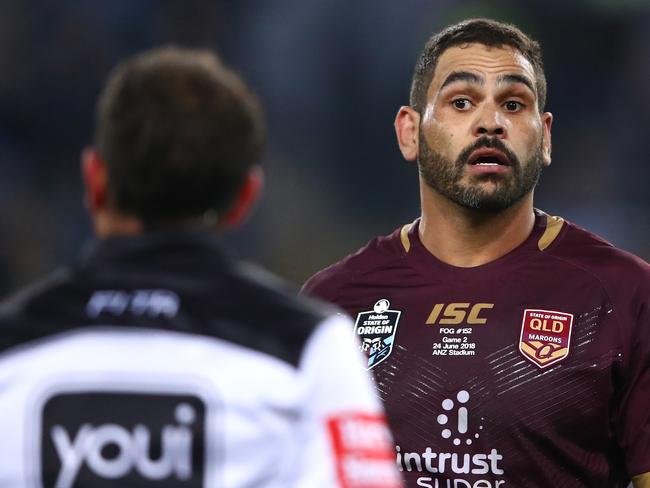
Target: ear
95 180
547 122
407 127
248 194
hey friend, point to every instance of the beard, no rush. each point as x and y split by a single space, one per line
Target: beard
446 176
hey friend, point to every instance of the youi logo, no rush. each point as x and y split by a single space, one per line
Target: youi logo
109 439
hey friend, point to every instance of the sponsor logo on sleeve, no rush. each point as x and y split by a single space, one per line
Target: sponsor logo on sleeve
108 439
545 336
376 332
362 451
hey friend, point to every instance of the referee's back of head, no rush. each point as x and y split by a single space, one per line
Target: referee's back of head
177 136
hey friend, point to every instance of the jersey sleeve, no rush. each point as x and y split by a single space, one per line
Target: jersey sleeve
326 283
636 403
634 414
345 438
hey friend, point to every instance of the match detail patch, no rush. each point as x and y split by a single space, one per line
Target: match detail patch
376 331
545 336
363 451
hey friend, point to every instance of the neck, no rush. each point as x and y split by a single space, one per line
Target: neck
466 238
111 224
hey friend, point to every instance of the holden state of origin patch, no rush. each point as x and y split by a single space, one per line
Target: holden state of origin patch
376 332
545 336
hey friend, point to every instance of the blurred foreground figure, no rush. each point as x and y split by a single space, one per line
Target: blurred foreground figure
156 361
511 348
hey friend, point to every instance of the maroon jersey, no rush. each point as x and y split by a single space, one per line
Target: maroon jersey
529 371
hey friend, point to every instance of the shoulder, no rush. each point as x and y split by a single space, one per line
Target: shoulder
377 254
37 298
624 277
269 299
267 314
593 254
23 313
241 304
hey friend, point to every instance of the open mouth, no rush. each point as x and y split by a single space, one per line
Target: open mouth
488 157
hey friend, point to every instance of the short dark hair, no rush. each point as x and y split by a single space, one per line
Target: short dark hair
178 131
481 31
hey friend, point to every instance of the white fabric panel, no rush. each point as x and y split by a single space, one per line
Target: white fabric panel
264 419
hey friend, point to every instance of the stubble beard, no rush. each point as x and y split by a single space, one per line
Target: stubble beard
446 177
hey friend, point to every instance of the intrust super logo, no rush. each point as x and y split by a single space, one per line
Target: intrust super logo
122 439
462 420
545 336
456 465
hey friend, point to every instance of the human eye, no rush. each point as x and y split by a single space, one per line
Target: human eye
513 106
462 104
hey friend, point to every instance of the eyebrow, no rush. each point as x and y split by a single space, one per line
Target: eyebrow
469 77
465 76
513 78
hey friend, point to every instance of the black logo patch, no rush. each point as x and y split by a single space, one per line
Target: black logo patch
122 439
376 331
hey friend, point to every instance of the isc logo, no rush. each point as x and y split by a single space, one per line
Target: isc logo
118 439
458 313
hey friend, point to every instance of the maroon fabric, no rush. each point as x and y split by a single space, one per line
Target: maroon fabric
581 421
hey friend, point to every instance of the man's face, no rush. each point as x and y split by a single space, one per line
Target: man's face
482 140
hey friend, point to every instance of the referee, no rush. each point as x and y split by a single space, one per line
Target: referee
156 361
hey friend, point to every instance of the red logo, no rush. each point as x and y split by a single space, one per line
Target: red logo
545 336
363 451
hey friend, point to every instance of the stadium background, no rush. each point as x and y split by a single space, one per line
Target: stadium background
331 75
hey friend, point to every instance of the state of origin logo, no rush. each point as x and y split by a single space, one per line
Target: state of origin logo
446 469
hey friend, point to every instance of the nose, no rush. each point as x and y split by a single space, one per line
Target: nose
489 122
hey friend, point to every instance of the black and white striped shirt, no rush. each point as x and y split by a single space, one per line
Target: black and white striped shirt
155 361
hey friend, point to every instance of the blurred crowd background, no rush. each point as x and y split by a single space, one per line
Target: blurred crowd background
331 75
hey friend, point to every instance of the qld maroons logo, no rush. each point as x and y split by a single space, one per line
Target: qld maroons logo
376 331
545 336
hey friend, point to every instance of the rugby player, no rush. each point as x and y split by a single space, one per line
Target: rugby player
156 361
511 348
